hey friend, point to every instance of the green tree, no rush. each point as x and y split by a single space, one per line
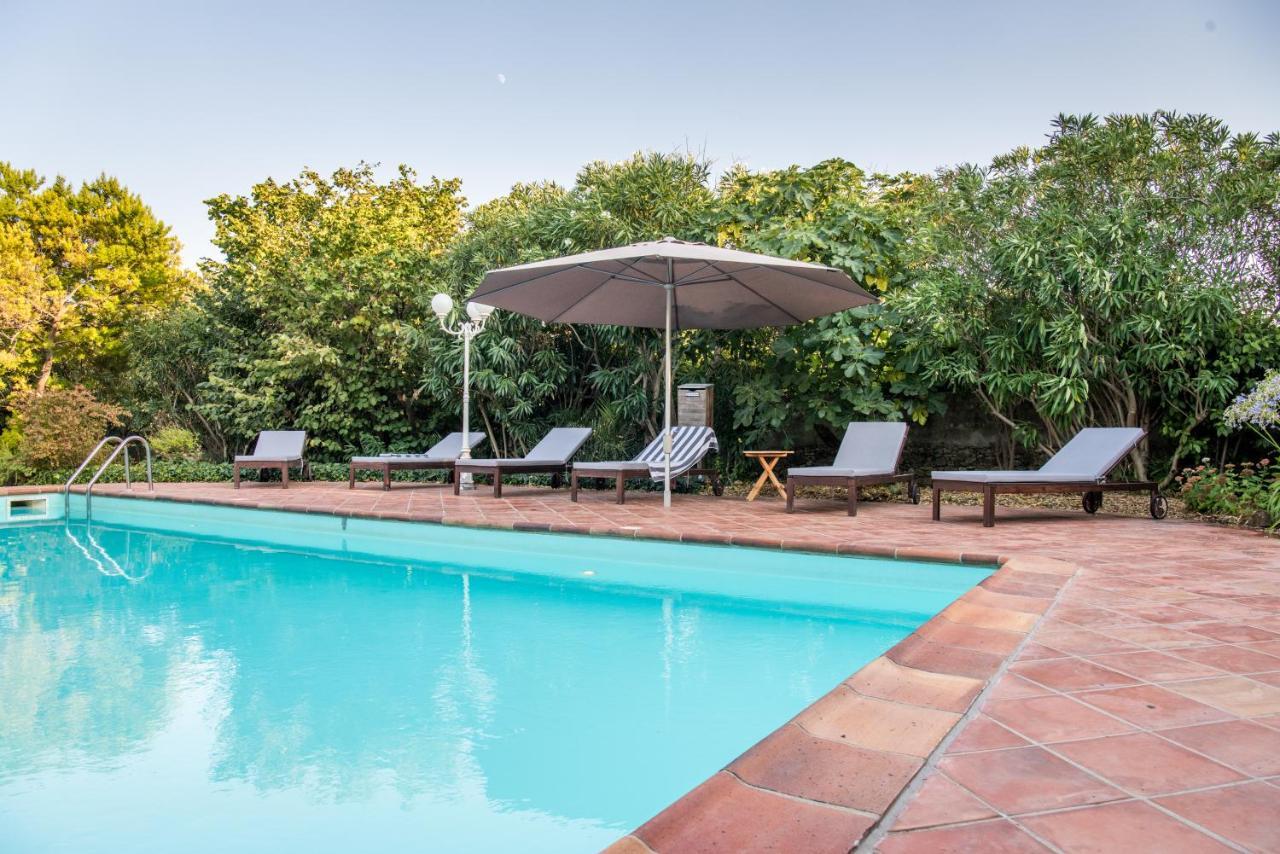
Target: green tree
307 312
814 377
77 267
1107 278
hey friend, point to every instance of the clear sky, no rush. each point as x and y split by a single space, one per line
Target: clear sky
184 100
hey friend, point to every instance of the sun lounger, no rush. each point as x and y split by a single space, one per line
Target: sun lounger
274 449
688 447
868 455
441 455
1081 466
551 455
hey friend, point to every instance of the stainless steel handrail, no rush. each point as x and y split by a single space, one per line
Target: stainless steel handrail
123 446
66 488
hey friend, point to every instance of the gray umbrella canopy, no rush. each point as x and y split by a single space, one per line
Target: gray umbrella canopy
711 288
671 284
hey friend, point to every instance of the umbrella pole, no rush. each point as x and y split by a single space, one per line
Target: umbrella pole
666 433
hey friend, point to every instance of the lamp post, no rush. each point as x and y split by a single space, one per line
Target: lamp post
442 305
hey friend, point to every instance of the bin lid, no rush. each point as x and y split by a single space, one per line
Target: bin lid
695 385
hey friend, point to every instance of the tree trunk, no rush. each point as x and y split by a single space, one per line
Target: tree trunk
50 349
46 369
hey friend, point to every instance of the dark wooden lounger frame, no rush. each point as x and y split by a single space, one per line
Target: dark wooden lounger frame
281 464
389 465
622 475
514 467
1091 494
850 483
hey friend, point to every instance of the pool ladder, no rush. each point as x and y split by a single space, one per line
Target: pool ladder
120 446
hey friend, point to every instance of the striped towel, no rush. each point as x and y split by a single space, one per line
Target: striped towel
688 446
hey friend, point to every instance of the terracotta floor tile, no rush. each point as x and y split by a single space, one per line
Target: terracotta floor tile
1268 647
850 718
1053 718
1125 826
997 619
988 837
1233 632
1011 687
1035 651
941 801
886 680
983 733
1025 779
970 637
795 763
1156 666
1145 764
1272 679
725 815
1239 695
1245 814
1245 745
1151 706
1233 659
1156 637
922 654
1071 674
1075 641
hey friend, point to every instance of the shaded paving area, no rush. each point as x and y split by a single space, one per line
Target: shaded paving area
1143 710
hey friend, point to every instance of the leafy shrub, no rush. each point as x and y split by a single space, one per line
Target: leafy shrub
175 444
57 428
1248 493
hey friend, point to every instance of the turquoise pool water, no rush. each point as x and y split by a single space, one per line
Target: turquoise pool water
193 678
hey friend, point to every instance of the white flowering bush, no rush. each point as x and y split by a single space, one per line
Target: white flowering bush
1259 409
1250 492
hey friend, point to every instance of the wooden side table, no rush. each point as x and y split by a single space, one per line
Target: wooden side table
767 460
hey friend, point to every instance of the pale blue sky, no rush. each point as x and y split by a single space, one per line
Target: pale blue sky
183 101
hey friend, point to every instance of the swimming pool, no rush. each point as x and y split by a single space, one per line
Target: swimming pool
180 676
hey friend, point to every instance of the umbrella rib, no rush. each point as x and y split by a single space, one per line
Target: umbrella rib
765 298
820 282
613 275
530 281
686 279
630 265
575 304
563 269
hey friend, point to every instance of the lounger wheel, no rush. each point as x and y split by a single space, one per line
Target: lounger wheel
913 492
1092 502
1159 506
717 489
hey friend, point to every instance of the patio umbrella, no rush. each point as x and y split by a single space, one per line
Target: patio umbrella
670 284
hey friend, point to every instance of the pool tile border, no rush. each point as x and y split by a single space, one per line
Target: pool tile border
843 762
806 786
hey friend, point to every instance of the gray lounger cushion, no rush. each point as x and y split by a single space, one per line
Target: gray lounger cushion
276 445
447 448
556 448
1013 477
868 448
640 469
837 471
1088 458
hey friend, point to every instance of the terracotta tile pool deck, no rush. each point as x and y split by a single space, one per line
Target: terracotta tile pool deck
1114 685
